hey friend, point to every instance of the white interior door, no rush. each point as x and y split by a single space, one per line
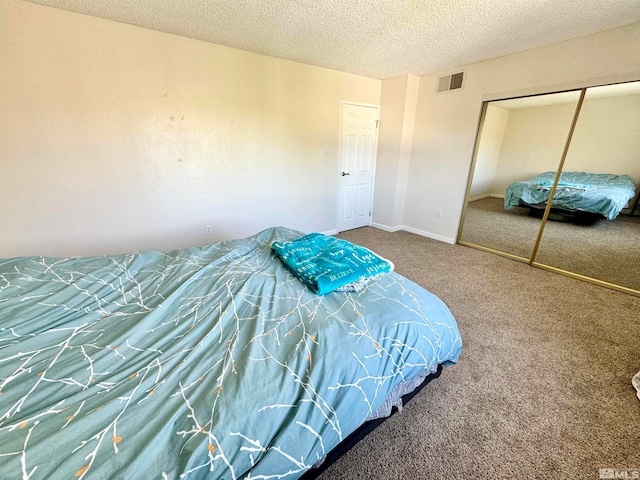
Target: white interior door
358 147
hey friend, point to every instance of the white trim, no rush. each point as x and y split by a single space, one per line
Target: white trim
486 195
434 236
480 197
330 232
342 102
417 231
386 228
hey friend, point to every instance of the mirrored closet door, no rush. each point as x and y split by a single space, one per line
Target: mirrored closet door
581 148
519 139
591 230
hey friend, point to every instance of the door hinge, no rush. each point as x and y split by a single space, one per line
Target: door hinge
377 123
369 213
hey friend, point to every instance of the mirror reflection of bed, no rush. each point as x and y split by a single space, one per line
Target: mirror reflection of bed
595 232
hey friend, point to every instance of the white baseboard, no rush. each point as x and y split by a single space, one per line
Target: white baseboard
422 233
486 195
398 228
434 236
330 232
386 228
479 197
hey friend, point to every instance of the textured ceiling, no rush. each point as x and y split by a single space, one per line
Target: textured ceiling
376 38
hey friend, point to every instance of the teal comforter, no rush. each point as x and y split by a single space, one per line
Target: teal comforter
604 194
212 362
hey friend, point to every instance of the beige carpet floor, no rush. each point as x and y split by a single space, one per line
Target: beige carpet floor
543 386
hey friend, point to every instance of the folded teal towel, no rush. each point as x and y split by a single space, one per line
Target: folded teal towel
325 263
561 184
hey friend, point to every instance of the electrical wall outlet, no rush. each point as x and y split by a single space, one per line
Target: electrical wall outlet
208 229
439 212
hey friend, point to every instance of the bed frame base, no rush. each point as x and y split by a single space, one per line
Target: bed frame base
362 431
562 215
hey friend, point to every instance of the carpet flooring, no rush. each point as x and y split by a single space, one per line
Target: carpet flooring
543 386
608 250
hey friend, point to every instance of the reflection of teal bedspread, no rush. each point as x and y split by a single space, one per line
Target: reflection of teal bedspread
326 263
605 194
214 362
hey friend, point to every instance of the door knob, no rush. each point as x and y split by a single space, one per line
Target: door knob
344 173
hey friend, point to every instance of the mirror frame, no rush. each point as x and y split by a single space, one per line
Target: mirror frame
531 260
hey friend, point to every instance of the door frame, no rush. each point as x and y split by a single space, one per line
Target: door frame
375 160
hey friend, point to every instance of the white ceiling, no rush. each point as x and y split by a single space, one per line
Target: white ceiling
375 38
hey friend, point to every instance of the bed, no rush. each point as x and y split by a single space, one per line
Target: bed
209 362
594 193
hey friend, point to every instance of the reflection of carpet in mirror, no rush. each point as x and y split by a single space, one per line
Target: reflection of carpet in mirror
487 223
608 249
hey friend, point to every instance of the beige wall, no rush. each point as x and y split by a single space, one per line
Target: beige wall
489 148
607 137
533 143
397 116
393 94
606 140
115 138
446 124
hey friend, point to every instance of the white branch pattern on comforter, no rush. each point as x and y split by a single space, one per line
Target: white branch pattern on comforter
211 362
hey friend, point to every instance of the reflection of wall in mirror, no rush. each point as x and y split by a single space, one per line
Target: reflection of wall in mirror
607 137
606 140
534 139
489 147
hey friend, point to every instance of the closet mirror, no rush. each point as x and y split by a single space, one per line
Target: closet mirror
519 141
594 226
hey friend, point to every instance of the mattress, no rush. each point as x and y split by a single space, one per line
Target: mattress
603 194
209 362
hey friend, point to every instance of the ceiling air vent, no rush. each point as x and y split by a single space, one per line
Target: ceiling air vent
450 82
